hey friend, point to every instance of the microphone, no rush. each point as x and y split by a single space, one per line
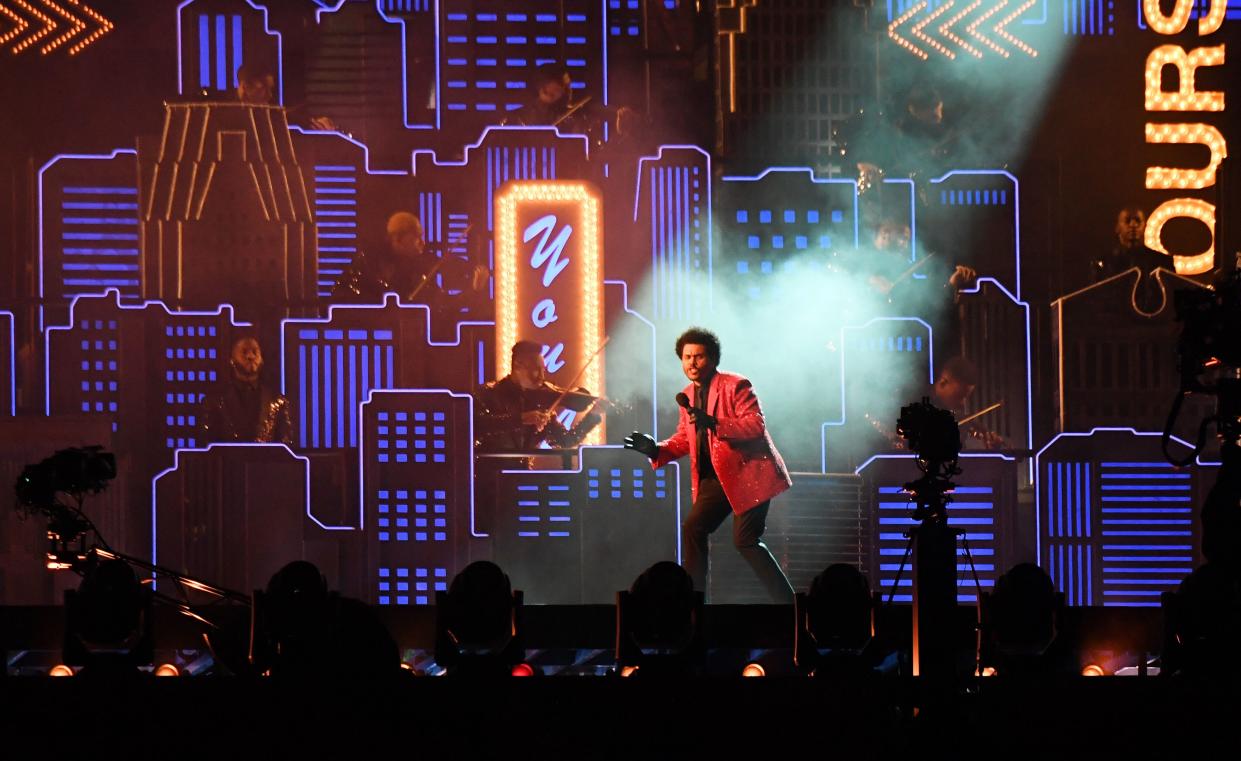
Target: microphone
683 400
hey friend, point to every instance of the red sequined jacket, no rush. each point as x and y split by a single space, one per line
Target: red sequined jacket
745 459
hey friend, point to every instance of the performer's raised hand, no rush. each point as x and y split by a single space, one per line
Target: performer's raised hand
641 442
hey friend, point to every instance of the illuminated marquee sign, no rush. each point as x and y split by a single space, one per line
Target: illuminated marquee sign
1191 131
549 279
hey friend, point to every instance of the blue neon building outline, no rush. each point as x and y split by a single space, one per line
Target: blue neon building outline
482 138
404 62
844 350
266 30
710 235
1025 308
1038 526
654 354
390 299
816 180
1016 209
220 311
39 197
581 460
370 397
176 463
913 214
366 151
435 10
12 363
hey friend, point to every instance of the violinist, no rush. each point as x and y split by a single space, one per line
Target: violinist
404 265
518 412
955 385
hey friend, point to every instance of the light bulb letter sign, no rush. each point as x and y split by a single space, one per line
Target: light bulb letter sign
549 278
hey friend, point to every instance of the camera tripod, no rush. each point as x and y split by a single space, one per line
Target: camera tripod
933 545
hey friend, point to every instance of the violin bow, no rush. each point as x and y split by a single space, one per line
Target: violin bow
912 269
427 277
980 413
568 389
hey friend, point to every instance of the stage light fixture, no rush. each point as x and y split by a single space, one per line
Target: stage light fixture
1093 669
523 669
60 669
166 669
754 669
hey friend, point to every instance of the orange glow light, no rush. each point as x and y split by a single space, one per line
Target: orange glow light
917 28
167 669
105 26
549 278
972 29
60 670
1176 23
946 27
48 26
75 26
1162 178
1002 30
628 670
1186 97
17 30
1190 208
899 40
1093 670
754 669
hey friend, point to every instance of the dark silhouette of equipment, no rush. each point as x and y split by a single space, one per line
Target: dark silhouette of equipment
300 629
835 624
659 623
478 623
932 434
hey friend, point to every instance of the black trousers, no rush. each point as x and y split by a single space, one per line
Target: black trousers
710 509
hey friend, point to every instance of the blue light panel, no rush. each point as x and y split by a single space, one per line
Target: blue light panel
416 462
189 351
1117 532
674 193
488 58
972 510
512 163
337 369
99 239
336 221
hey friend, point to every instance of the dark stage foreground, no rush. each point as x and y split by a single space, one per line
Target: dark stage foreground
1110 718
599 714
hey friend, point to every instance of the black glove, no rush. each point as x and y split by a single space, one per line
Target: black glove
640 442
701 419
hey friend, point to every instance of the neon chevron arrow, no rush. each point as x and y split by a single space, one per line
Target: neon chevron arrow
972 29
1001 31
48 26
944 29
75 19
104 26
899 40
15 31
934 44
75 26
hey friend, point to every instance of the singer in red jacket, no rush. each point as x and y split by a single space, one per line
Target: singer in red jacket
735 466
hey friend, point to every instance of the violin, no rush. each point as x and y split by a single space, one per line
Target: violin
549 395
990 439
